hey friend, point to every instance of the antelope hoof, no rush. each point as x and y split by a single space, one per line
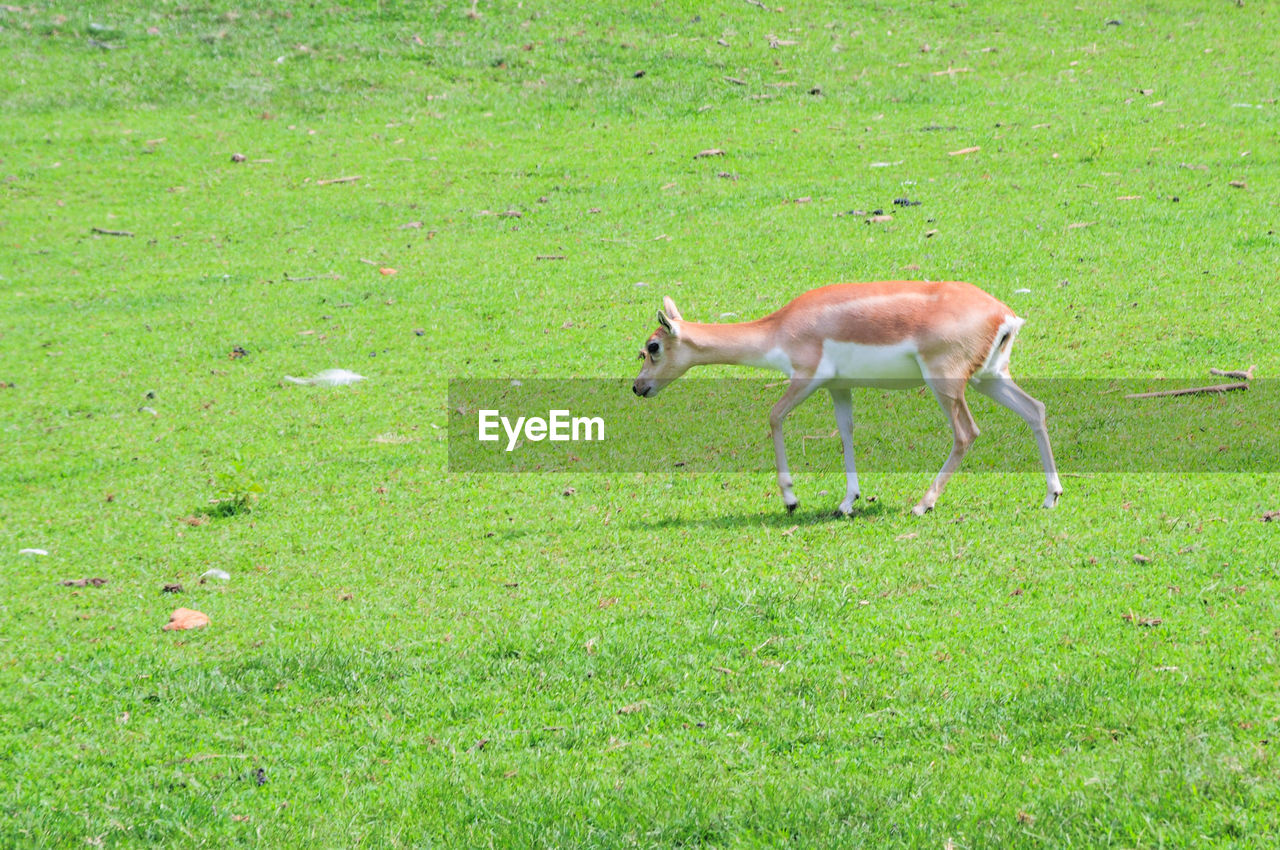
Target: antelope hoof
1051 500
921 509
846 507
791 507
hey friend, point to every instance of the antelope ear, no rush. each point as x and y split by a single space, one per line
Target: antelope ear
670 307
667 323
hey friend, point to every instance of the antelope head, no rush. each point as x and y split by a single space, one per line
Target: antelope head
665 354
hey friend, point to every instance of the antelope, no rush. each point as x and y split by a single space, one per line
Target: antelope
899 334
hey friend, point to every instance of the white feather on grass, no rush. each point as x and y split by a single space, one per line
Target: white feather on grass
328 378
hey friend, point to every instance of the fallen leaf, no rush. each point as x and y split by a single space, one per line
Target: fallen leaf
1025 818
806 199
708 152
1238 184
84 582
185 618
171 588
875 219
910 535
238 157
387 271
1139 558
412 225
929 234
1271 516
1078 224
633 708
607 602
1141 621
964 151
790 531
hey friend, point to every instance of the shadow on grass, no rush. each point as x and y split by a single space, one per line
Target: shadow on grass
803 516
779 519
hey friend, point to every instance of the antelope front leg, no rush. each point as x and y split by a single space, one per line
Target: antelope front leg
843 404
797 391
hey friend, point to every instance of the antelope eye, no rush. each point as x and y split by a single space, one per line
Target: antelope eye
653 347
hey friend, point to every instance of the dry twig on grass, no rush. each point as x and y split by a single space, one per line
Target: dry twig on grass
1238 374
1216 388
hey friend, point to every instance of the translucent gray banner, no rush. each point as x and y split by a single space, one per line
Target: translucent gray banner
701 425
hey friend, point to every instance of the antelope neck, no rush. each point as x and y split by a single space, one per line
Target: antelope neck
737 343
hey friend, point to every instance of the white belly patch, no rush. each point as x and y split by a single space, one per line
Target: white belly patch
855 362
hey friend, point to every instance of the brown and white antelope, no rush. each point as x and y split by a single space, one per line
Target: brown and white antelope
889 334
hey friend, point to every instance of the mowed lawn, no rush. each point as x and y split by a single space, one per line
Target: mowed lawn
198 199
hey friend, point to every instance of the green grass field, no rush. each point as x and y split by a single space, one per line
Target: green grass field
406 656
